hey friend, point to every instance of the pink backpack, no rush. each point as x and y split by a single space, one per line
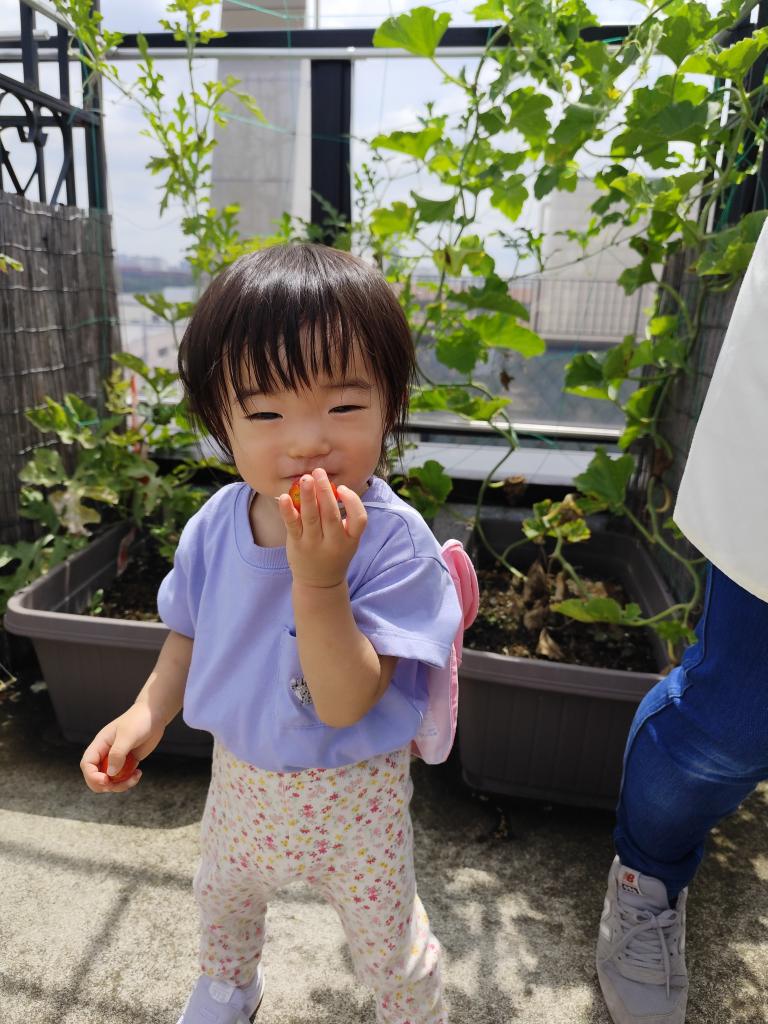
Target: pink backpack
434 739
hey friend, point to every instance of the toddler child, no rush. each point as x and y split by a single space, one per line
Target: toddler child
301 638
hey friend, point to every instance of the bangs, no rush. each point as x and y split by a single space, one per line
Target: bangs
288 354
279 318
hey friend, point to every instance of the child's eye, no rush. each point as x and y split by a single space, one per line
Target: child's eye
340 407
260 415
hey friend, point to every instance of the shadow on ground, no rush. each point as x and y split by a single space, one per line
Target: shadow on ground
98 922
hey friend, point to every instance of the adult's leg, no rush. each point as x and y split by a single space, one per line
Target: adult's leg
699 740
697 747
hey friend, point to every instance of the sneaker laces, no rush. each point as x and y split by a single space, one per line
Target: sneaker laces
644 943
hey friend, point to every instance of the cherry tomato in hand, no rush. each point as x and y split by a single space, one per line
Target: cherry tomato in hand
294 493
125 772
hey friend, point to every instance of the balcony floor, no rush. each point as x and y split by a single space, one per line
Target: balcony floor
98 920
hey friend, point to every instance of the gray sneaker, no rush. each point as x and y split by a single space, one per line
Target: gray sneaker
640 950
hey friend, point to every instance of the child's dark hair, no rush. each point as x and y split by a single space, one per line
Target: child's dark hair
263 301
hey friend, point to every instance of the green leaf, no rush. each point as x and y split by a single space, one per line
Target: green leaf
563 176
470 252
606 479
584 376
45 469
641 402
33 504
493 120
644 355
635 277
431 210
494 294
418 31
429 399
577 126
490 9
480 409
51 416
250 104
674 631
682 33
597 609
617 359
415 144
82 413
509 197
431 474
393 220
730 251
672 110
132 362
670 351
638 410
456 400
528 113
662 324
502 331
733 62
460 351
101 492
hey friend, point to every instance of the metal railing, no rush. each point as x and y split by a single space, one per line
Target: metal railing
42 111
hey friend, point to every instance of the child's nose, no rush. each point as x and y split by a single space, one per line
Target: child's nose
309 444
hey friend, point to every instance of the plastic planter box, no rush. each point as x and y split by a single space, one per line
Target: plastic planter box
94 667
547 730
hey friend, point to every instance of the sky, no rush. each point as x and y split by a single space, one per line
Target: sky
387 95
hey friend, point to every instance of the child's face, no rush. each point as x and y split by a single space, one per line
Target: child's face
277 437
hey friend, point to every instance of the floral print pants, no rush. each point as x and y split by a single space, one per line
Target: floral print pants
345 831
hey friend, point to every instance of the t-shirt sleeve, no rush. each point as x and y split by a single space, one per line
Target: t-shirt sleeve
178 598
409 608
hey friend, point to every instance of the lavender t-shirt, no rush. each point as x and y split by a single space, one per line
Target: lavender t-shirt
245 683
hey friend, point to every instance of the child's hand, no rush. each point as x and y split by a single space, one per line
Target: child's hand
320 544
134 732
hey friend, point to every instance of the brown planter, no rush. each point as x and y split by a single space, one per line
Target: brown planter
94 667
546 730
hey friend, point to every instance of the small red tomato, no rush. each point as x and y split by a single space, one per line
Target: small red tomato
125 772
294 493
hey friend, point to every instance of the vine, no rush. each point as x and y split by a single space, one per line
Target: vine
651 189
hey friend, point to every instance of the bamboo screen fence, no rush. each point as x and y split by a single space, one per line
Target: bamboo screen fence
58 327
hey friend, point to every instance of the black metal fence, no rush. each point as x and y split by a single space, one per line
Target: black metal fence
43 113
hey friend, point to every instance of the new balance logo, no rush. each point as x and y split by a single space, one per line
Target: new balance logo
629 882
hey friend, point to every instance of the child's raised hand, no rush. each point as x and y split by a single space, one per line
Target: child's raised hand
320 544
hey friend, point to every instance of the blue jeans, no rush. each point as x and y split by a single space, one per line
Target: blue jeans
698 744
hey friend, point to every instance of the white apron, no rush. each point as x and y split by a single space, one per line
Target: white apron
722 503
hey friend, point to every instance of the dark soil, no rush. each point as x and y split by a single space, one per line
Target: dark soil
514 618
133 594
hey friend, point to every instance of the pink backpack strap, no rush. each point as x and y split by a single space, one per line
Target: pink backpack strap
465 580
434 739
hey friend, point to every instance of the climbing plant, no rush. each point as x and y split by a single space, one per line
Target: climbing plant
673 141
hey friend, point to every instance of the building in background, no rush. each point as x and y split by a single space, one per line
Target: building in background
265 168
142 333
578 298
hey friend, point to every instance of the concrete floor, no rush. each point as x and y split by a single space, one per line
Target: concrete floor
97 921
